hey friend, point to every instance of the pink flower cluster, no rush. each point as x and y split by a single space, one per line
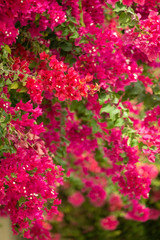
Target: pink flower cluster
109 223
75 134
138 212
93 12
65 82
105 62
28 177
76 199
127 2
74 5
147 40
131 182
25 12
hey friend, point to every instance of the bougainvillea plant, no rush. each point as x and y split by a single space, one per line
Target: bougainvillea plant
80 116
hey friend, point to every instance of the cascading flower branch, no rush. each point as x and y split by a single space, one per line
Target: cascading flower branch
79 115
29 178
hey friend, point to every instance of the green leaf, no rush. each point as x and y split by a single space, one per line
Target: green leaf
7 48
15 77
95 126
7 119
134 143
119 7
119 163
123 18
119 122
1 66
21 201
49 169
7 178
103 98
123 154
65 32
66 46
74 35
107 108
14 85
8 82
2 83
114 113
83 41
13 175
110 124
73 20
23 89
72 27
